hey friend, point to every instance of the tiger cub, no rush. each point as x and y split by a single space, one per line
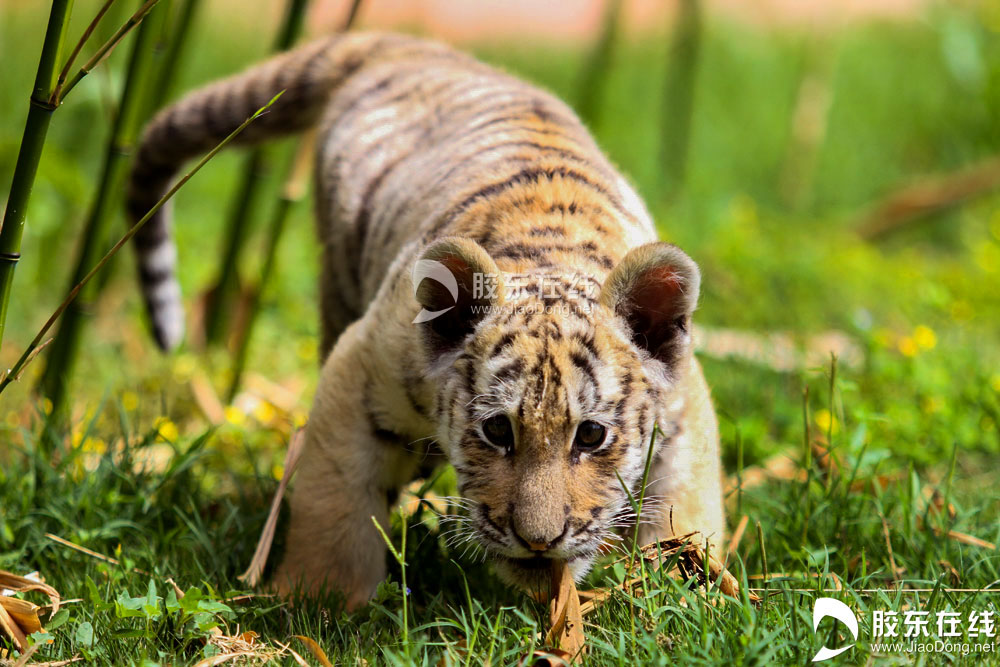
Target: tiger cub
492 290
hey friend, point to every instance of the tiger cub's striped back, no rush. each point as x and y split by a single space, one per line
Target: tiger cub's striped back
489 281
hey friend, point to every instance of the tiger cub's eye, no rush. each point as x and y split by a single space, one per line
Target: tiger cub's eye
499 431
590 435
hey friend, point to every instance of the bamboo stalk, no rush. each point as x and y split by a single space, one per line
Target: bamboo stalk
291 27
595 73
352 16
175 50
293 191
221 295
162 72
679 95
32 142
15 371
132 110
255 167
60 92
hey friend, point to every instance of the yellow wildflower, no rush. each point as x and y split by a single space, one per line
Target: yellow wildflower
234 415
907 346
166 428
264 412
826 421
924 337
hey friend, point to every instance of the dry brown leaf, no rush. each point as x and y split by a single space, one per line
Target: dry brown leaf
20 618
597 597
239 645
690 564
878 483
10 628
965 538
956 579
177 589
447 659
299 660
18 584
26 656
57 663
206 398
825 460
783 466
256 569
734 542
92 554
315 649
278 395
935 501
31 357
566 620
410 502
221 658
928 195
24 613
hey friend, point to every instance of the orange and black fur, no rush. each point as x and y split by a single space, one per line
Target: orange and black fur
562 341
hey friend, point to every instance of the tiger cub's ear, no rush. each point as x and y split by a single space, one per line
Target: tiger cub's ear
655 289
456 283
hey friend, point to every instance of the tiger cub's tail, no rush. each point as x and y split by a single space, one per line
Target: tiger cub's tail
201 120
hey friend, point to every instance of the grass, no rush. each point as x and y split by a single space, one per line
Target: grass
144 480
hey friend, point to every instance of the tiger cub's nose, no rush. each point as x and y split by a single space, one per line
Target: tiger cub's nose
538 543
536 546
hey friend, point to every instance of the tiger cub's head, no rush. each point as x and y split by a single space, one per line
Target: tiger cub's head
549 387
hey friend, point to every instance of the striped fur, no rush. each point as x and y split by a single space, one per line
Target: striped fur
424 153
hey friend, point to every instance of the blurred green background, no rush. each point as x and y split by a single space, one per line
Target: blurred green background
797 132
801 128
